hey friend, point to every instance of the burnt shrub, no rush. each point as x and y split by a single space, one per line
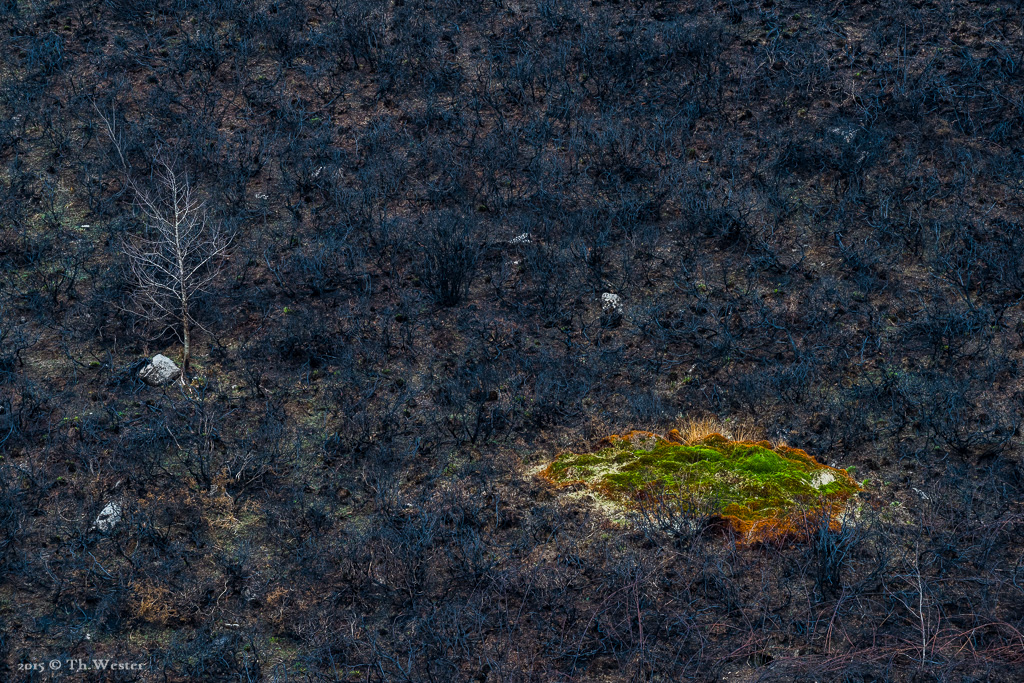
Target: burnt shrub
675 516
304 341
13 530
962 420
45 55
13 341
830 549
476 401
450 258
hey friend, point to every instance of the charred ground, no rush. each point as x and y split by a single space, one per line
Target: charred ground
811 213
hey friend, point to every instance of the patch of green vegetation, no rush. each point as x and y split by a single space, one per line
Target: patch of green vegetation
750 482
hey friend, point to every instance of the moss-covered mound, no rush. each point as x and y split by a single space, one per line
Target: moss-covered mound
762 491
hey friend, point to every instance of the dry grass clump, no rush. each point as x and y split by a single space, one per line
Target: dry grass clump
696 429
155 604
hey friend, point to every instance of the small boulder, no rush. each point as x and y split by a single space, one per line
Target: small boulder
160 371
611 309
845 134
611 304
850 143
109 516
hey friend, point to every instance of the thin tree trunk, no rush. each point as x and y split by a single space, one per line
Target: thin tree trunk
182 283
187 354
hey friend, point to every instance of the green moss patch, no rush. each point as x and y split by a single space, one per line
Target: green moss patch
762 490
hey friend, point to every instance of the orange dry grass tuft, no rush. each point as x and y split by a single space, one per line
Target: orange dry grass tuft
695 429
155 604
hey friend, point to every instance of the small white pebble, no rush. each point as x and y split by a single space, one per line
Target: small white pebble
611 303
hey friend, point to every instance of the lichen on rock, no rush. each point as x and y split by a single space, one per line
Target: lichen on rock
762 491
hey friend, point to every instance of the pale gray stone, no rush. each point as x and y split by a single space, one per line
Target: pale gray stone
160 371
109 516
611 304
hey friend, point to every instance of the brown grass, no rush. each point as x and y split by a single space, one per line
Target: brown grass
694 429
154 604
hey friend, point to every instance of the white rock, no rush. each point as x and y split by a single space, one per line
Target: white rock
822 478
520 239
108 517
611 303
160 371
847 134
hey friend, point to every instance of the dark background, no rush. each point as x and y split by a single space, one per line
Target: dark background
811 212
